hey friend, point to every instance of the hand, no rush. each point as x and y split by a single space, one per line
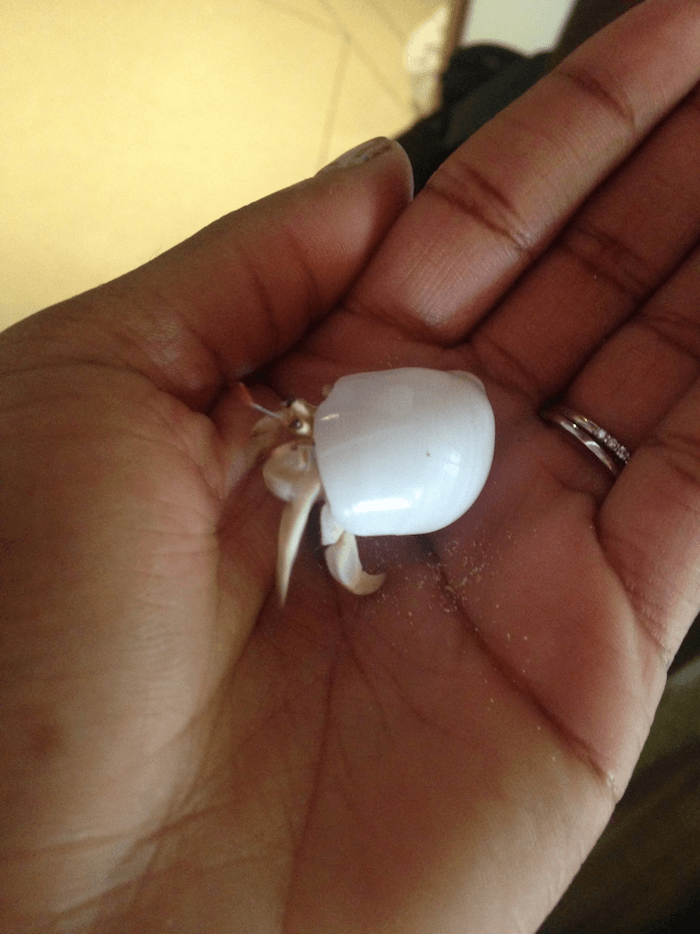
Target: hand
180 754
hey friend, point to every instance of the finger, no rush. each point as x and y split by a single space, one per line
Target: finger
494 206
632 383
649 526
239 292
621 246
643 387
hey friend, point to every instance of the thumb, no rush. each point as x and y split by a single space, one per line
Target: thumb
238 293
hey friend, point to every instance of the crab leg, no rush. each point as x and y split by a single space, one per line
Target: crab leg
292 524
343 562
343 559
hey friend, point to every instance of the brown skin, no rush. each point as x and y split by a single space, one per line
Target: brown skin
177 753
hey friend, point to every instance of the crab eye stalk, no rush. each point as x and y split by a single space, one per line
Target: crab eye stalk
301 417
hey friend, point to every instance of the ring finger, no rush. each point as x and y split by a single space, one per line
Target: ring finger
643 370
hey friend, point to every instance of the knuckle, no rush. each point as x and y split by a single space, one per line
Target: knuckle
586 83
471 194
608 257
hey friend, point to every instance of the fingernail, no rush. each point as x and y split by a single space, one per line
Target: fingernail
358 155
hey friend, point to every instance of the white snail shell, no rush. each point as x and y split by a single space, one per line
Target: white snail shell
403 452
394 452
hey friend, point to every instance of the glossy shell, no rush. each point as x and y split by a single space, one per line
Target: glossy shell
403 452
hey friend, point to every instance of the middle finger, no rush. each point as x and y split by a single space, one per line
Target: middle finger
617 250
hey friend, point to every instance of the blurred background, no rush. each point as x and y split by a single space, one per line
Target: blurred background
128 125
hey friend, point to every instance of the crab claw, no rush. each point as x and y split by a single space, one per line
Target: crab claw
288 468
343 562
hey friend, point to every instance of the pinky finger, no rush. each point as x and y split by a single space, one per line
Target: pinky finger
649 526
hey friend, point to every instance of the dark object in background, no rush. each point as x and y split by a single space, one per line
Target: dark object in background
479 82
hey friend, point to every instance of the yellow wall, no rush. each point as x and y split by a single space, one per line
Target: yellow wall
126 125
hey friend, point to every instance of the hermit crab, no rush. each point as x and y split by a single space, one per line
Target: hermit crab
393 452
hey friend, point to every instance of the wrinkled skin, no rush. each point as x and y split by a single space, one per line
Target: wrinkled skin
179 754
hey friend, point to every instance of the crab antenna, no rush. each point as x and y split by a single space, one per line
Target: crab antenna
261 408
244 396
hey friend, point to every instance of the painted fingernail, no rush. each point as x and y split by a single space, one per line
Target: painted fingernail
358 155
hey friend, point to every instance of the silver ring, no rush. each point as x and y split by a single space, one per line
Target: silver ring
607 449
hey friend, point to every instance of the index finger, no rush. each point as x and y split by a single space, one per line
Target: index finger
494 206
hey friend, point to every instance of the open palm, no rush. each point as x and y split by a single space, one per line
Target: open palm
179 753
